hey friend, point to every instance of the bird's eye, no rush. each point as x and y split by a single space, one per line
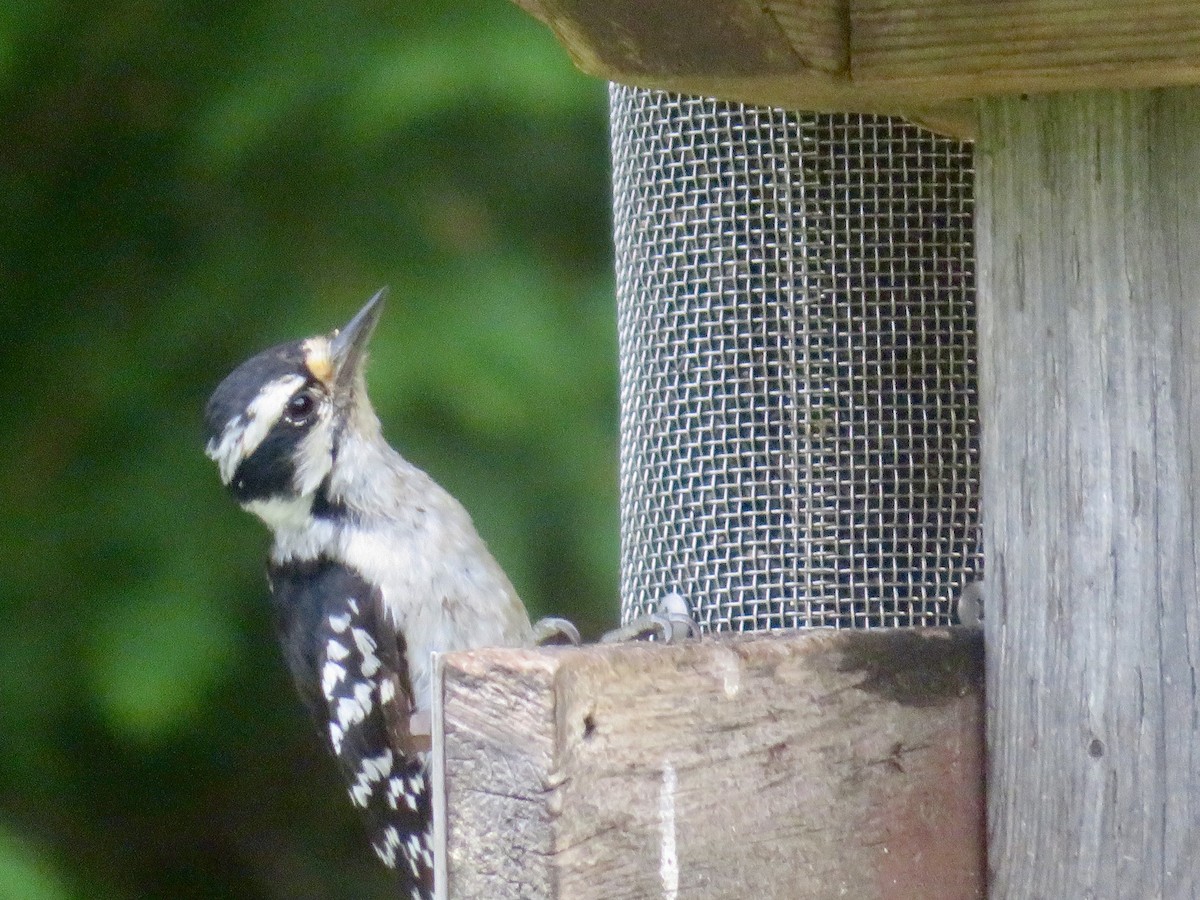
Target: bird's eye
302 408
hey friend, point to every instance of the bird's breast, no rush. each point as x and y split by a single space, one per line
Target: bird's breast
442 591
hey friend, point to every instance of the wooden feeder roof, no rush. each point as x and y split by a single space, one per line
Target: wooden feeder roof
884 56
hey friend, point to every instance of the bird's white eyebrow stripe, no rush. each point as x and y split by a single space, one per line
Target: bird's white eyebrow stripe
243 434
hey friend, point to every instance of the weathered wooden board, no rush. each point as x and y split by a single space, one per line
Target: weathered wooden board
808 765
1088 231
965 48
890 56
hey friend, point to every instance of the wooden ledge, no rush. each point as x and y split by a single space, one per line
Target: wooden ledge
798 764
907 57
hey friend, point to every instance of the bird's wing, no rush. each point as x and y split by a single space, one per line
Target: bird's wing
350 670
365 687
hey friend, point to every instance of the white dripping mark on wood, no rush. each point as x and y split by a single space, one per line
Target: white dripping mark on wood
668 857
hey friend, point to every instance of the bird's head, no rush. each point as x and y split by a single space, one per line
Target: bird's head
276 422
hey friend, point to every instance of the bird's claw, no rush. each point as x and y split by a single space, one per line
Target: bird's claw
553 630
670 622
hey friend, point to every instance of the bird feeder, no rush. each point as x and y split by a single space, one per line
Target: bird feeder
904 286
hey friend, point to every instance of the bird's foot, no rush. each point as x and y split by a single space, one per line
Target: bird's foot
671 622
554 631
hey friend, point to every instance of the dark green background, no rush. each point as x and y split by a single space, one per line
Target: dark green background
183 184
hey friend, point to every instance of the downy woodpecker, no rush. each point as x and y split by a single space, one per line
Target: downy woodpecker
373 566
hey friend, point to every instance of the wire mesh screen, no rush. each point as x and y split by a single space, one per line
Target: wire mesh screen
799 439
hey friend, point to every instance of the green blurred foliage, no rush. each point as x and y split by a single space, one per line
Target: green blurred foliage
28 873
182 185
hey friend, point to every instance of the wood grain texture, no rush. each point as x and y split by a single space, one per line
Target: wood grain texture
910 57
826 764
964 48
1088 234
505 766
677 37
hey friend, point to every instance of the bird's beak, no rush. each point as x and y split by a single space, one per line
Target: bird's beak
348 349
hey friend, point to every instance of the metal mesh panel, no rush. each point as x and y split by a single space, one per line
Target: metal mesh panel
799 440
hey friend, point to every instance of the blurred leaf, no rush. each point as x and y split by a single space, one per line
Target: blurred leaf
17 22
157 655
28 872
507 61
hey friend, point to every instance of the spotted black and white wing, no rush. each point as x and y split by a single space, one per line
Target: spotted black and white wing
351 672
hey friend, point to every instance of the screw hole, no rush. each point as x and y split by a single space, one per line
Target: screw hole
589 726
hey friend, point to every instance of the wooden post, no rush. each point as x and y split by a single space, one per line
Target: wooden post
811 765
1089 307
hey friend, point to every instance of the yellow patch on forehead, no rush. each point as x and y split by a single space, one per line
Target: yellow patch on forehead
317 359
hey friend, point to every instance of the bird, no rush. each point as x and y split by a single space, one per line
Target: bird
373 566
